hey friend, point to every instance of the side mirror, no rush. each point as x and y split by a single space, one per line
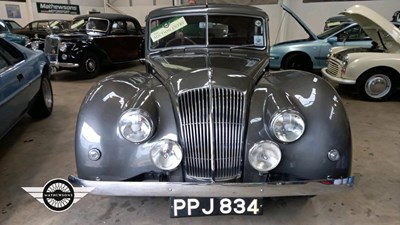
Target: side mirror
332 40
142 61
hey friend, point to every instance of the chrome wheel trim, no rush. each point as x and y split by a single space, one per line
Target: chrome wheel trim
378 86
47 93
90 65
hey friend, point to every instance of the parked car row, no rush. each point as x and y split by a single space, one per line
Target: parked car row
363 52
375 71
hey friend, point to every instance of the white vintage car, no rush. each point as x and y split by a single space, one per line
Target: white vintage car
375 71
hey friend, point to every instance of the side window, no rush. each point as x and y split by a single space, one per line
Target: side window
3 27
118 27
3 63
132 29
9 53
34 26
354 33
42 25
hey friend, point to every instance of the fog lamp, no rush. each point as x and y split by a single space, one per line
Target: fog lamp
64 56
264 156
166 154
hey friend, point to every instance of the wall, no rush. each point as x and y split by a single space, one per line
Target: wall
314 14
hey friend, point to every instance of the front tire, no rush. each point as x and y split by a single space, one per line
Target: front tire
90 65
43 104
376 85
297 61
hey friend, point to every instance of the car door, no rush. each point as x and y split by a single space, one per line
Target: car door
123 42
12 83
350 36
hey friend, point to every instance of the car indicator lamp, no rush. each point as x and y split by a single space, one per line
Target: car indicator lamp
287 125
135 125
166 154
264 156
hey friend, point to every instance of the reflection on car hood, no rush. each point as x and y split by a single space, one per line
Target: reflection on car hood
301 22
377 27
180 72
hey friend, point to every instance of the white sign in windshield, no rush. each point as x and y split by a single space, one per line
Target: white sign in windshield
167 28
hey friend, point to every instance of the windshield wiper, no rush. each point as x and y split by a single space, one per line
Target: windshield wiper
183 48
249 46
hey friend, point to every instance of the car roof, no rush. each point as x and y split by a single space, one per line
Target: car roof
110 16
48 20
209 8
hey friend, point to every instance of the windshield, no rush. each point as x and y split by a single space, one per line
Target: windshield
78 24
90 25
220 30
332 31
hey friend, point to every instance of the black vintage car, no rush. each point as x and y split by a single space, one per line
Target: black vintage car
93 40
208 125
37 31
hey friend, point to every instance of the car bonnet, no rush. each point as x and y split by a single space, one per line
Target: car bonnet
376 26
301 22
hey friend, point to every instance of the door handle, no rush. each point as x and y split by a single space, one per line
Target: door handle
20 77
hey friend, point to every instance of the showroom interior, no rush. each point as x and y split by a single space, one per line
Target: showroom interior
41 146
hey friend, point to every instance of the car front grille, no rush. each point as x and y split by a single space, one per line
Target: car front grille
212 125
51 48
333 67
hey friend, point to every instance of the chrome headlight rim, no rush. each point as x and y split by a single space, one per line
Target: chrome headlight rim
268 150
63 47
161 152
144 115
279 114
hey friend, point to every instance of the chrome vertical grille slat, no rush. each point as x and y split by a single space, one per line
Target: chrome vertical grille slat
51 48
228 126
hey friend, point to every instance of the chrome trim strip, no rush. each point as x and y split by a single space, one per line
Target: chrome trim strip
177 189
211 123
64 65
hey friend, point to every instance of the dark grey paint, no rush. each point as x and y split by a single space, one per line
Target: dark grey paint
327 126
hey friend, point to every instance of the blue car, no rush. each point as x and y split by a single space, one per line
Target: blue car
311 54
24 85
7 29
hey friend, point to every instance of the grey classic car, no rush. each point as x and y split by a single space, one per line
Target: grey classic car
207 124
24 85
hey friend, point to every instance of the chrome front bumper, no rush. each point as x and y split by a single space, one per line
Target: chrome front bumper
64 65
181 189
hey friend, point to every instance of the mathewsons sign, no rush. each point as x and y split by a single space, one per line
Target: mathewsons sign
52 8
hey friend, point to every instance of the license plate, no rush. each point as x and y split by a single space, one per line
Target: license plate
187 207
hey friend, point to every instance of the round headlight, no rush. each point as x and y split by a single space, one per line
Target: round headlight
287 126
166 154
35 45
265 156
63 47
135 125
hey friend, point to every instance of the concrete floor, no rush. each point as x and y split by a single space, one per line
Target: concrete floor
36 151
